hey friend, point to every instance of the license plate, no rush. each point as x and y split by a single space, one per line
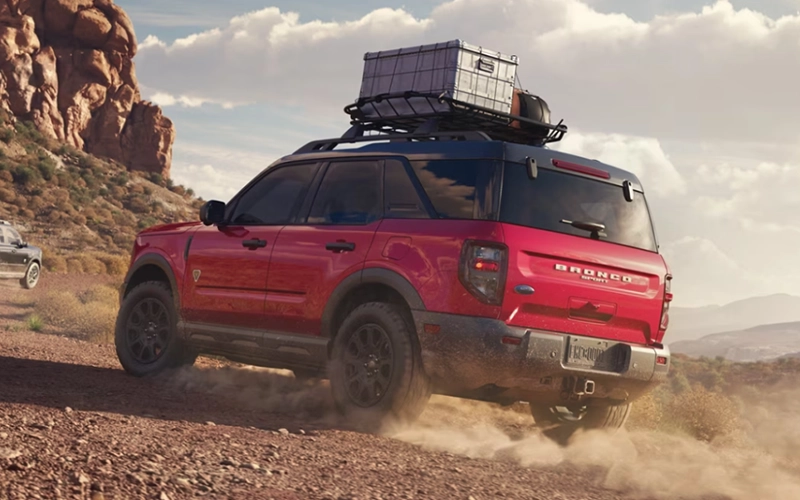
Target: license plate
591 353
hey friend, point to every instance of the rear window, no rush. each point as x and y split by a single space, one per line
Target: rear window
554 196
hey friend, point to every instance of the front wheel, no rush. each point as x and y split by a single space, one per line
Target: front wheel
376 370
146 335
31 278
560 423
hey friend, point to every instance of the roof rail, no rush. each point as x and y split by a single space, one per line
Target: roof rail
356 134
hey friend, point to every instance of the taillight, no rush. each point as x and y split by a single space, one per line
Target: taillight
483 270
665 308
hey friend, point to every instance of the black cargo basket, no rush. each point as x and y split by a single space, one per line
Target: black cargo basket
440 113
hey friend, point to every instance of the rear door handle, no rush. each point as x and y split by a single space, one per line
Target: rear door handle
340 246
256 243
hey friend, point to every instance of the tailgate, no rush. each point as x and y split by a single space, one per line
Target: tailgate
582 286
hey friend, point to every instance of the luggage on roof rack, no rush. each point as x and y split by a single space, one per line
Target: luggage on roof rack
450 86
434 113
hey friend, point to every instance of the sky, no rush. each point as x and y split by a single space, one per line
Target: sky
697 97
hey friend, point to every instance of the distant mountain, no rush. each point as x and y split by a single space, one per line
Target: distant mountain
694 323
761 343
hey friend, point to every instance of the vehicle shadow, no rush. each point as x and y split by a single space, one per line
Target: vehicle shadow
226 396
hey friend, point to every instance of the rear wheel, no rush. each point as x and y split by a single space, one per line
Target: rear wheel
146 335
376 369
31 278
561 423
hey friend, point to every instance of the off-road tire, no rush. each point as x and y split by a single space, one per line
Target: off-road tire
173 353
408 389
611 417
33 269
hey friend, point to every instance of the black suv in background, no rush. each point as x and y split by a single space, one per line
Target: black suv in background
18 260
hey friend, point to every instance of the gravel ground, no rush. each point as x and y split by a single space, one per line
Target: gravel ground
73 425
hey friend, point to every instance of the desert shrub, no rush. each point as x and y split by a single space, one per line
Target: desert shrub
74 266
35 323
6 176
25 175
91 265
22 202
27 214
47 167
8 195
103 294
91 318
138 204
190 192
55 263
116 265
36 203
79 219
703 414
179 190
157 179
6 134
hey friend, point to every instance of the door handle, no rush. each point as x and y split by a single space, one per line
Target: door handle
253 244
340 246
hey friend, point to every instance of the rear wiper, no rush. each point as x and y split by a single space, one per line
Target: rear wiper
595 228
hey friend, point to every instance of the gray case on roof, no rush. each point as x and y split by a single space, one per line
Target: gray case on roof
463 72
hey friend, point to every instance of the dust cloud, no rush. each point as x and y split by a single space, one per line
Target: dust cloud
761 460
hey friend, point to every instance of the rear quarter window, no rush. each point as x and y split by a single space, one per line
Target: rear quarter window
458 189
542 203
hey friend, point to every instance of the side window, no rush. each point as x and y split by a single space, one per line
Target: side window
450 185
276 197
13 236
401 199
350 193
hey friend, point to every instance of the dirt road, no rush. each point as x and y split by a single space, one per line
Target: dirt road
74 425
72 422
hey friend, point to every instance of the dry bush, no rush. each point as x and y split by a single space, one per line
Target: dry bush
102 294
6 176
74 266
91 318
91 265
7 195
116 265
55 263
703 414
27 214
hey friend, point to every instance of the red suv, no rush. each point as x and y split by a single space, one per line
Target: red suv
446 262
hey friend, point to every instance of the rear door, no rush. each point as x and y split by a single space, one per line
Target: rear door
227 266
311 258
567 279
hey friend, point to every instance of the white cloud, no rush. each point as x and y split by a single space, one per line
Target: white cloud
677 76
641 155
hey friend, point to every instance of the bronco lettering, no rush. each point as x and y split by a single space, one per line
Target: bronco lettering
593 275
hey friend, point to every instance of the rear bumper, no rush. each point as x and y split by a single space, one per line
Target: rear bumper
468 358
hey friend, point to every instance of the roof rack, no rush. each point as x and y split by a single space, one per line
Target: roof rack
433 113
356 134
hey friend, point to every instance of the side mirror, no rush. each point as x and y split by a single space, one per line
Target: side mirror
22 244
212 212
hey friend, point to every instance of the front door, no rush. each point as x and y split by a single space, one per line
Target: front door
311 258
228 265
14 258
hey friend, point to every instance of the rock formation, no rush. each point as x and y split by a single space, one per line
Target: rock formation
67 65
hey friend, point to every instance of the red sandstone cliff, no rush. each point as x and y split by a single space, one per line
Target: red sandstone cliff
67 65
